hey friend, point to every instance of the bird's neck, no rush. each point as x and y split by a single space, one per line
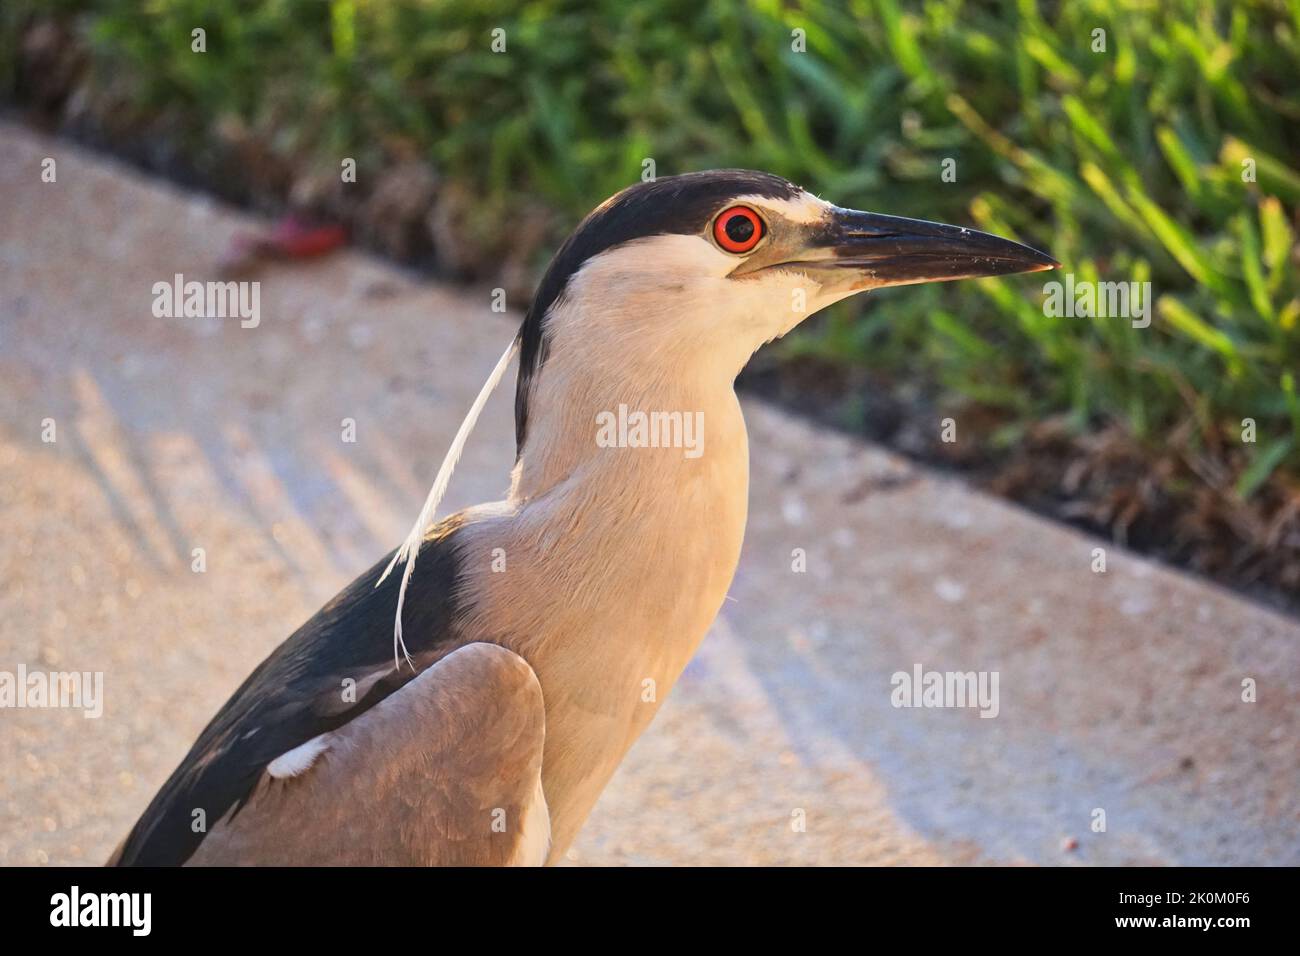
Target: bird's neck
617 559
611 432
630 409
621 533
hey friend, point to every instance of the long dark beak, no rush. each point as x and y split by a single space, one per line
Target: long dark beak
891 250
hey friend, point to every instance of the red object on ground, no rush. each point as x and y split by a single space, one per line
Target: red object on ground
296 240
290 238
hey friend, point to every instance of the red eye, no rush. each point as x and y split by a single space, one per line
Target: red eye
738 229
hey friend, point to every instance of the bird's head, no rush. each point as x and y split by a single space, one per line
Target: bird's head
716 263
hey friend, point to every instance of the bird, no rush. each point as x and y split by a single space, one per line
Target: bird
470 710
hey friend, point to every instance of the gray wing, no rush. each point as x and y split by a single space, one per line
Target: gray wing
444 771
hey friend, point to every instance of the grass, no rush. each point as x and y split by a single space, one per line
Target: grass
1166 157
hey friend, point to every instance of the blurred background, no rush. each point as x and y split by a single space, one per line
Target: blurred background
1137 141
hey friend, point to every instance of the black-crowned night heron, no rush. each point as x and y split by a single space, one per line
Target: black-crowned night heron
484 726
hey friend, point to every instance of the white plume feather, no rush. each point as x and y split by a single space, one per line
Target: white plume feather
410 548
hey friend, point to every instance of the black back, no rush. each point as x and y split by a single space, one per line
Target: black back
295 694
